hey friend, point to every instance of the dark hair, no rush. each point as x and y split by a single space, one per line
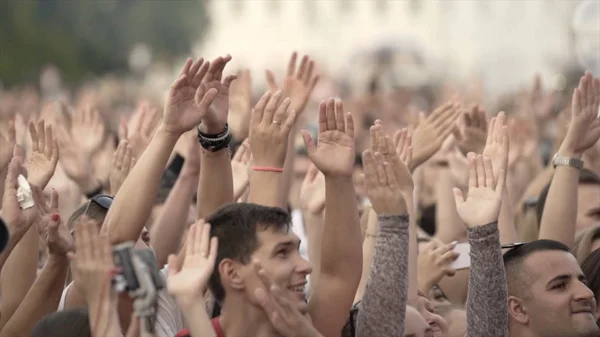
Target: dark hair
514 258
591 270
92 210
66 323
586 177
236 227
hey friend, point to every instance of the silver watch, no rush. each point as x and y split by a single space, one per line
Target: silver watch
566 161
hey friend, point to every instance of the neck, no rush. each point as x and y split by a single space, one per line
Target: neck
520 331
242 318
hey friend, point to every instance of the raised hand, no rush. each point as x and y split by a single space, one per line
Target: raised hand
17 220
584 129
297 84
76 163
270 126
51 228
403 145
44 154
435 262
214 121
283 314
381 185
240 104
473 130
482 205
87 129
187 282
140 129
187 103
497 144
239 169
6 145
312 191
382 143
92 266
431 132
122 164
334 152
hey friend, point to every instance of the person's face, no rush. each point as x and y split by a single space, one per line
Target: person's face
438 297
278 254
588 206
561 304
416 326
436 322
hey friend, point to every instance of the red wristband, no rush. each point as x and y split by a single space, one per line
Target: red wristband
267 169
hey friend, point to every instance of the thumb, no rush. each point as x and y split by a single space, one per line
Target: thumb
172 265
271 80
458 196
53 225
309 143
421 117
123 128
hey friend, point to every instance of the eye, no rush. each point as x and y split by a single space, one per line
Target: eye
282 253
559 286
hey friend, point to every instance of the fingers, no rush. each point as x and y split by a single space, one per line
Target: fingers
472 170
291 69
127 159
458 196
309 143
34 136
54 201
480 171
330 114
322 117
199 75
350 125
381 176
270 108
262 274
205 241
207 97
259 108
271 81
489 172
191 240
14 169
303 68
339 116
186 66
370 171
119 154
282 110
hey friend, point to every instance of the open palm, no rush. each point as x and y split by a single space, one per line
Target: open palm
334 153
497 144
484 198
187 281
584 130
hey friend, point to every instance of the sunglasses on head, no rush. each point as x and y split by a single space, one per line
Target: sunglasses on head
102 200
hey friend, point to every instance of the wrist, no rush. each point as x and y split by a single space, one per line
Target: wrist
57 260
211 128
569 153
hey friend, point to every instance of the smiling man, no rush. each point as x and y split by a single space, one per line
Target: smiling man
548 294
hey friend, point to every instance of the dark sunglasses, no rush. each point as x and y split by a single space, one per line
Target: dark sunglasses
101 200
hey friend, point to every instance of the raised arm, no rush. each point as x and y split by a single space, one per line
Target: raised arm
388 184
187 104
487 310
43 296
341 254
560 211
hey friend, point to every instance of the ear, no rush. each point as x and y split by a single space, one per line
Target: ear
231 275
517 310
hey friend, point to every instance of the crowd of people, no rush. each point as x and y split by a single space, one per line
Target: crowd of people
225 214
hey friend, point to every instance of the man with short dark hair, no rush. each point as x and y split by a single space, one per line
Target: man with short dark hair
548 294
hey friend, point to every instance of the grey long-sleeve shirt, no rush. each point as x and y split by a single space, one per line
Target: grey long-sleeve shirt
382 311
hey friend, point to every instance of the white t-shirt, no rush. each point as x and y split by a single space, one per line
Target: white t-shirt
169 320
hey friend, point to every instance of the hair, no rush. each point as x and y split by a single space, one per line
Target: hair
591 270
66 323
427 220
94 212
586 177
583 242
517 276
236 226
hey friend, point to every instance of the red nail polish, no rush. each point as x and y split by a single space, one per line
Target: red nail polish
55 217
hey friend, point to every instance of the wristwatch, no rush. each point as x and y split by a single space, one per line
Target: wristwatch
566 161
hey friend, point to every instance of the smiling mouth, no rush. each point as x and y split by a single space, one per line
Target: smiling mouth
298 289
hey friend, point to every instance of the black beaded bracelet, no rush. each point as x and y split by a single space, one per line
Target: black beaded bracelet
214 143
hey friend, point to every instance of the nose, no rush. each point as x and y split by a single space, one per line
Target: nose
304 266
583 292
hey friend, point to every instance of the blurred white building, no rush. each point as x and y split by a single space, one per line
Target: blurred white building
506 41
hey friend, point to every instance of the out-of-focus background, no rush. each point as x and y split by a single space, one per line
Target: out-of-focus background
499 43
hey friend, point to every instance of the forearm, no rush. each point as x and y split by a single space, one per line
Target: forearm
383 307
560 211
265 189
134 201
41 300
198 320
368 252
413 281
487 309
104 318
216 181
18 274
341 258
168 229
506 220
449 226
288 168
314 232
